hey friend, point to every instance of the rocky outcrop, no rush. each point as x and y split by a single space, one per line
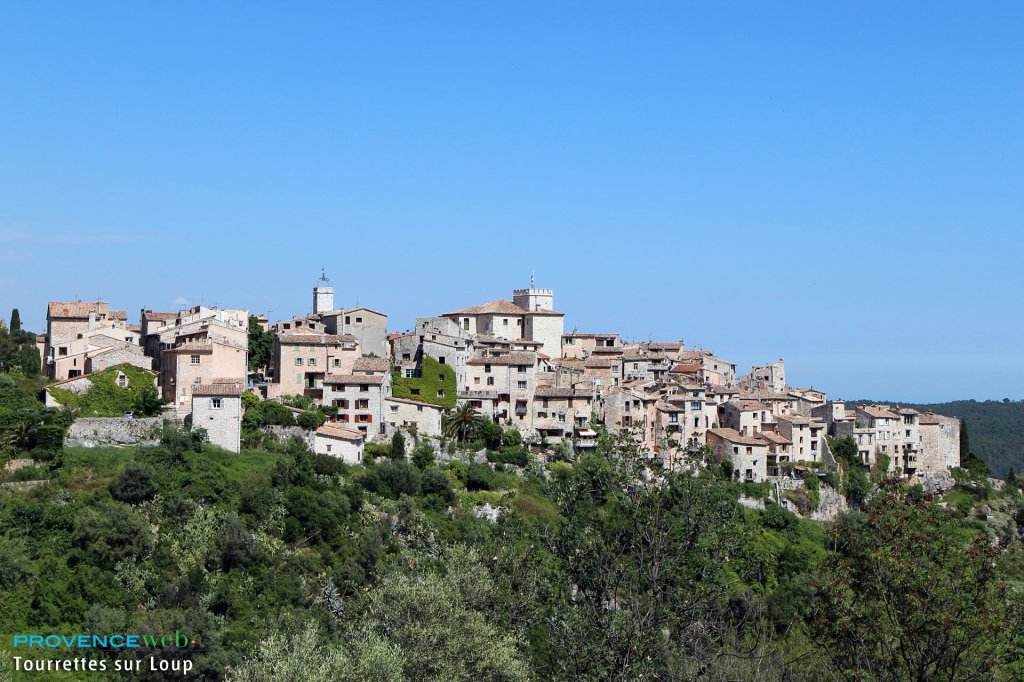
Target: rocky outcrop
934 482
90 432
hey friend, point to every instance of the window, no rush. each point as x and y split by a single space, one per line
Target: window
406 356
440 393
476 380
414 391
394 408
215 403
465 323
522 384
362 404
490 381
298 361
63 350
522 369
440 360
363 388
348 320
122 381
328 447
359 320
696 422
440 377
419 408
311 362
487 368
410 373
195 359
337 362
505 322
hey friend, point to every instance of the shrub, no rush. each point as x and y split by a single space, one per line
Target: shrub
423 455
400 477
311 420
133 485
106 399
397 446
276 414
479 477
511 438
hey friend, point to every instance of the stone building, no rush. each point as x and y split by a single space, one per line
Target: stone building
303 357
748 454
67 322
513 377
529 316
359 399
400 413
940 443
336 441
217 407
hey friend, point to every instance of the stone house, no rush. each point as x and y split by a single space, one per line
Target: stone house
400 413
940 443
197 359
218 409
335 441
770 377
807 437
580 346
359 399
561 412
303 357
748 417
70 322
513 377
748 454
529 316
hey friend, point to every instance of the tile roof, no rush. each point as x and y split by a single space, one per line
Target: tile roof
510 359
314 338
686 368
776 438
75 309
555 392
153 315
501 306
419 403
370 365
929 419
878 411
734 436
329 430
353 379
749 405
599 363
234 389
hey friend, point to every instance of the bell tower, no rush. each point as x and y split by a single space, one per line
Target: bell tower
323 295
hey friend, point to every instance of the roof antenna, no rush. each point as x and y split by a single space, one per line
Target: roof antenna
531 279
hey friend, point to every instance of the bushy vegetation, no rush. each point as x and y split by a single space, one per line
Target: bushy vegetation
106 399
287 565
435 385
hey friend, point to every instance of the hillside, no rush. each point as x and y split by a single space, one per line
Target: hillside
995 427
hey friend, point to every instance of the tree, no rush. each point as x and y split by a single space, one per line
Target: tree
311 420
461 424
965 441
133 485
423 455
643 570
397 446
906 598
261 345
15 325
149 402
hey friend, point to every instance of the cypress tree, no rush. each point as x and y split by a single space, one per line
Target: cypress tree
15 321
965 441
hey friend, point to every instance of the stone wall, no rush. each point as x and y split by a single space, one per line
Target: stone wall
95 431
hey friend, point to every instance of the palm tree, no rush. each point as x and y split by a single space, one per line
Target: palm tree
20 435
462 424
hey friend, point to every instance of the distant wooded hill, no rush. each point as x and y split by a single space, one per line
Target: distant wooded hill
995 428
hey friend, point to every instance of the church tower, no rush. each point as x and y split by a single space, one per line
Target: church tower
323 295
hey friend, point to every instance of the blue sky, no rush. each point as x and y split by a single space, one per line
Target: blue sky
838 184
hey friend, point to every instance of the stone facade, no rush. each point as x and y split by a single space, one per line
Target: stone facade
218 409
403 414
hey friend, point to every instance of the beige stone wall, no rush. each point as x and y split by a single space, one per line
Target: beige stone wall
179 374
348 451
403 414
547 329
940 445
222 420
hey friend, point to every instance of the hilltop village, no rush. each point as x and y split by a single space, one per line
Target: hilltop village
511 361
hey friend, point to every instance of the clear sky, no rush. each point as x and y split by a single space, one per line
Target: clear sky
839 184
